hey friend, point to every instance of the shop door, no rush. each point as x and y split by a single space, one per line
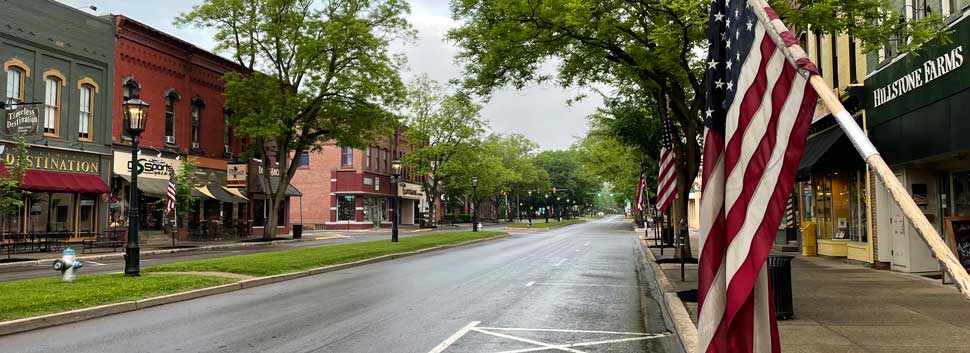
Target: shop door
375 210
900 241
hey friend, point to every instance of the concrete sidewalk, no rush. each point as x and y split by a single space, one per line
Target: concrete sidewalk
842 307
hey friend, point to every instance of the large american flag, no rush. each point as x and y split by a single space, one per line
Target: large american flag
170 206
759 106
667 179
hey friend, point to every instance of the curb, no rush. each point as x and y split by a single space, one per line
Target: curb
686 331
67 317
159 252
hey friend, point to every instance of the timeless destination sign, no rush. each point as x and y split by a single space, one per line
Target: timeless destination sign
21 121
929 71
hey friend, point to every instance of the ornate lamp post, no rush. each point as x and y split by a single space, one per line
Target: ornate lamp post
474 206
396 179
530 207
136 111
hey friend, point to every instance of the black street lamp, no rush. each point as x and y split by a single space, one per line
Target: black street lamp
545 200
530 208
396 179
136 111
474 206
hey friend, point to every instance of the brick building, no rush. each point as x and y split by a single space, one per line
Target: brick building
187 119
347 188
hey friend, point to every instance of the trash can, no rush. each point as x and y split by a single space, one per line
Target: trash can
297 231
779 276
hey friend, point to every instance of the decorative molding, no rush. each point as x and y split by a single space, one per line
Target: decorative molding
198 101
88 81
56 73
130 79
172 93
17 63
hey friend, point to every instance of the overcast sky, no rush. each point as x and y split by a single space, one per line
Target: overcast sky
540 113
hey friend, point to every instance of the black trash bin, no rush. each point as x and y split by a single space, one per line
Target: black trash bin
779 275
297 231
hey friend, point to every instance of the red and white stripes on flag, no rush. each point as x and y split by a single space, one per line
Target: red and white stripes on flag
640 189
667 178
759 106
170 206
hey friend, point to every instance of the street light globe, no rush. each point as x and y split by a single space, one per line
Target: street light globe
396 167
474 181
136 111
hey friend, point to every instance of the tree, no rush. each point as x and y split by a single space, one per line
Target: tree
312 71
185 182
446 129
644 49
615 164
516 154
567 176
11 195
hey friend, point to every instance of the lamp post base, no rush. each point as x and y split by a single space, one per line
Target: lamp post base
132 262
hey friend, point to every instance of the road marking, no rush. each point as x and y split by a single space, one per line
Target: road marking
93 263
560 261
584 344
587 244
577 250
543 345
558 330
584 285
530 284
451 340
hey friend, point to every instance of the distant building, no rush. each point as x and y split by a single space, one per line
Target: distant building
58 63
348 188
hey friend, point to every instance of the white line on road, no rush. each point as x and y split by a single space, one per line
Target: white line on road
584 285
93 263
559 330
577 250
543 345
451 340
530 284
584 344
587 244
561 261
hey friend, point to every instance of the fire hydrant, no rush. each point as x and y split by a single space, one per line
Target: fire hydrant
67 264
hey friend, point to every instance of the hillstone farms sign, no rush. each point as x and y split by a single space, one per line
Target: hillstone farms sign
928 71
21 121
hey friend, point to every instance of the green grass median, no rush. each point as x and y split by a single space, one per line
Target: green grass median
279 262
539 224
39 296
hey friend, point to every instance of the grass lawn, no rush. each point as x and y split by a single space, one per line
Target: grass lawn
540 223
279 262
39 296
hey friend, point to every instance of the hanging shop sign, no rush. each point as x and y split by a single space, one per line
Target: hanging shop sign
22 121
56 160
148 166
236 174
411 191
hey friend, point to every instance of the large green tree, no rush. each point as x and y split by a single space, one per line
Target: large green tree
312 71
573 184
447 130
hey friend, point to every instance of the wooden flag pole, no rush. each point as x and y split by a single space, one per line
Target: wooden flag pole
939 249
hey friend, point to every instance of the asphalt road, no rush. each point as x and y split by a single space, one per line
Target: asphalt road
533 290
117 264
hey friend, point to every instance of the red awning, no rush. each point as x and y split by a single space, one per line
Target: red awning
43 180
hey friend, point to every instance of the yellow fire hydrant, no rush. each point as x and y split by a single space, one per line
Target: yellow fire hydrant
809 245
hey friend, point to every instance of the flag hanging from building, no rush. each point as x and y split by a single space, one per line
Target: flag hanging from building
640 190
759 106
667 179
170 206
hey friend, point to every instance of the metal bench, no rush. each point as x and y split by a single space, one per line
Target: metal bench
112 239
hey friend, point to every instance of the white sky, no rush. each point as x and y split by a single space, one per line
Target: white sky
540 113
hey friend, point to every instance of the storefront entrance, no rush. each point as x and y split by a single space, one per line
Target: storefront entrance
375 210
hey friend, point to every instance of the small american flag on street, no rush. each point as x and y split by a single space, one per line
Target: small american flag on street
667 179
639 198
759 106
170 206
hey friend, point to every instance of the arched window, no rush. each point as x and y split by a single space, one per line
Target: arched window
85 113
15 84
197 105
53 81
171 98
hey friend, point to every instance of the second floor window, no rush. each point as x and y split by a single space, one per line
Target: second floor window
15 85
304 159
52 105
196 122
346 156
367 158
226 130
86 112
170 119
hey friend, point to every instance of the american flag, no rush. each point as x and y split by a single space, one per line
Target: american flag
759 106
667 180
170 207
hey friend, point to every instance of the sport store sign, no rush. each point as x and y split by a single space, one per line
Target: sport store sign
148 166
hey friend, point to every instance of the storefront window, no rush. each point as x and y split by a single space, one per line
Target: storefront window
346 208
823 206
151 212
961 194
13 223
840 206
260 215
857 207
